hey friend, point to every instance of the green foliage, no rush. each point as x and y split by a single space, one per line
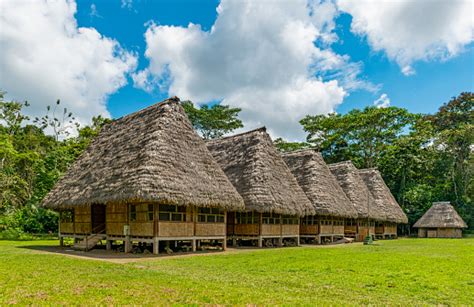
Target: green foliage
215 121
32 161
360 135
285 146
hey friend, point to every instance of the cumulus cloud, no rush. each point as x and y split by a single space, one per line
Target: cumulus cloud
382 102
408 31
269 58
46 56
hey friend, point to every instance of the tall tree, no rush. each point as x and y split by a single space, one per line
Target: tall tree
360 135
215 121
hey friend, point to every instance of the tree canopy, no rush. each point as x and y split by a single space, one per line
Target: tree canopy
214 121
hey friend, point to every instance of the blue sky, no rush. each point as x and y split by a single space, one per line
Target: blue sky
333 57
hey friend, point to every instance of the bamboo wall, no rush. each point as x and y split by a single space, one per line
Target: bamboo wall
175 229
440 233
309 229
290 229
246 229
116 217
66 227
82 220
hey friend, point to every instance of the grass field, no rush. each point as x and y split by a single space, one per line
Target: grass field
405 271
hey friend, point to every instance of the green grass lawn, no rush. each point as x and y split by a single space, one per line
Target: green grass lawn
405 271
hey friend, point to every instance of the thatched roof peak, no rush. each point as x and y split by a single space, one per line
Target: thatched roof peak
382 195
152 155
259 174
319 184
356 190
441 215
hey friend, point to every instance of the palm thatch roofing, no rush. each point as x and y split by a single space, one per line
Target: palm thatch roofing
353 185
319 184
153 155
382 195
259 174
441 215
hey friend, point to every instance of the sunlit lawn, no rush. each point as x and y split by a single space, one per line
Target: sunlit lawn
405 271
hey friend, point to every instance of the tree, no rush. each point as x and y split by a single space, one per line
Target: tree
213 122
360 135
61 125
285 146
454 126
10 114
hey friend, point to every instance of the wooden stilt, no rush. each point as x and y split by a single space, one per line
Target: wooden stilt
156 246
224 244
193 244
260 241
108 245
61 241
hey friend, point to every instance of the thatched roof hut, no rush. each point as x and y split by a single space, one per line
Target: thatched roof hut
441 215
356 190
382 195
319 184
259 174
153 155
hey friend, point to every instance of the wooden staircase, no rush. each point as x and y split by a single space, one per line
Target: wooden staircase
91 240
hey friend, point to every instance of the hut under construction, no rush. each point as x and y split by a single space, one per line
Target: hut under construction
383 198
368 211
273 199
147 178
440 221
329 201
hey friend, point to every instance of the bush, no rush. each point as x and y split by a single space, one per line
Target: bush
17 223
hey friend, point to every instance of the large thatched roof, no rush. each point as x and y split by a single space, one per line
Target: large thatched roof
441 215
382 195
350 181
319 184
151 155
259 174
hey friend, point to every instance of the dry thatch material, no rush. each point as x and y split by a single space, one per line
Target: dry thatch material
152 155
352 184
259 174
319 184
441 215
382 195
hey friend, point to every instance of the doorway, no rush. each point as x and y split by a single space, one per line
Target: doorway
98 218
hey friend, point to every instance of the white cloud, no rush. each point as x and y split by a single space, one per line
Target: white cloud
128 4
409 30
382 102
259 56
46 56
94 12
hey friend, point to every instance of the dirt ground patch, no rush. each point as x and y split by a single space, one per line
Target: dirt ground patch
120 257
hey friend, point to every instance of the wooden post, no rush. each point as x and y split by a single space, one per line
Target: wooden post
260 241
108 245
298 241
224 244
280 241
193 244
156 246
61 241
234 242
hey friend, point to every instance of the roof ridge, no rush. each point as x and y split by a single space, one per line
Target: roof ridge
304 150
264 129
167 101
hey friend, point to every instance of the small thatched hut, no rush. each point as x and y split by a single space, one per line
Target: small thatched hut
147 178
440 221
384 199
329 201
272 197
354 187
